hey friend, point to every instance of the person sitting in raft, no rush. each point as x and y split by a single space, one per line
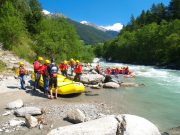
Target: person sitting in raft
113 71
78 71
108 71
21 72
126 70
53 80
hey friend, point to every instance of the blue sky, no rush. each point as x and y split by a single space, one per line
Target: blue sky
100 12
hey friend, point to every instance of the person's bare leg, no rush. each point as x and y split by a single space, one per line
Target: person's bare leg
56 93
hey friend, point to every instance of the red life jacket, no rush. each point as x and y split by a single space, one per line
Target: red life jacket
42 69
22 71
61 66
117 71
65 67
78 69
36 65
108 71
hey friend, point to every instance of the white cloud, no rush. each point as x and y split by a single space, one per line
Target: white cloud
46 12
83 22
114 27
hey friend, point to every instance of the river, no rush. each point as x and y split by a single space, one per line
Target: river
158 100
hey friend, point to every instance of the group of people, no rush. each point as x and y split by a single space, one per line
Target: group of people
114 70
49 71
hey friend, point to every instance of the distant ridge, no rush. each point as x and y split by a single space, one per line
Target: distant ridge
91 33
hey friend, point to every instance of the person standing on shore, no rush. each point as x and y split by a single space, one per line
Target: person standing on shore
64 68
72 65
78 71
37 65
53 79
21 72
45 74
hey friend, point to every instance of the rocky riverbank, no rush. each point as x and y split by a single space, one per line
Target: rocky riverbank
65 111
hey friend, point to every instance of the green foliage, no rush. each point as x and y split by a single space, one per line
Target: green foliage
26 31
2 66
57 38
153 38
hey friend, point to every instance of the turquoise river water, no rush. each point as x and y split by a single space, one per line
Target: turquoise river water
158 100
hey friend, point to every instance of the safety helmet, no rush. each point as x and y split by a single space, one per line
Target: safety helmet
40 59
47 62
21 63
65 62
77 61
72 59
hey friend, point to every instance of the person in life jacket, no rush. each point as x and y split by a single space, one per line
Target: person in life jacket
37 66
108 71
78 71
45 74
98 69
64 68
53 79
21 72
72 65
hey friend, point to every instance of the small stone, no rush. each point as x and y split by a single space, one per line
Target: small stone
15 104
7 131
75 116
51 126
16 122
31 121
6 113
28 111
1 130
40 126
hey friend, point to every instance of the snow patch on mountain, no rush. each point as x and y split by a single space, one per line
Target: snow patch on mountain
115 27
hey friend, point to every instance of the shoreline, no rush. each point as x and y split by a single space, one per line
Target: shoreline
56 109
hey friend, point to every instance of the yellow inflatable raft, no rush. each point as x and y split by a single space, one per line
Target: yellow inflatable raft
65 86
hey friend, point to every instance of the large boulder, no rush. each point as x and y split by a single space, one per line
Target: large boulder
124 124
31 121
22 112
111 85
103 126
135 125
15 104
75 116
92 78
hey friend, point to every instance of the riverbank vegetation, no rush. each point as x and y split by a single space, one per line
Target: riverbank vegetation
2 66
153 38
25 30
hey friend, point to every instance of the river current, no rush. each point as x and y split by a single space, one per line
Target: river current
158 100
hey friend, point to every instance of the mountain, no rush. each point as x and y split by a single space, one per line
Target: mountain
91 33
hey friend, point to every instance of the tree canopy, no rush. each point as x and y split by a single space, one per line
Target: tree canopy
153 38
25 30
